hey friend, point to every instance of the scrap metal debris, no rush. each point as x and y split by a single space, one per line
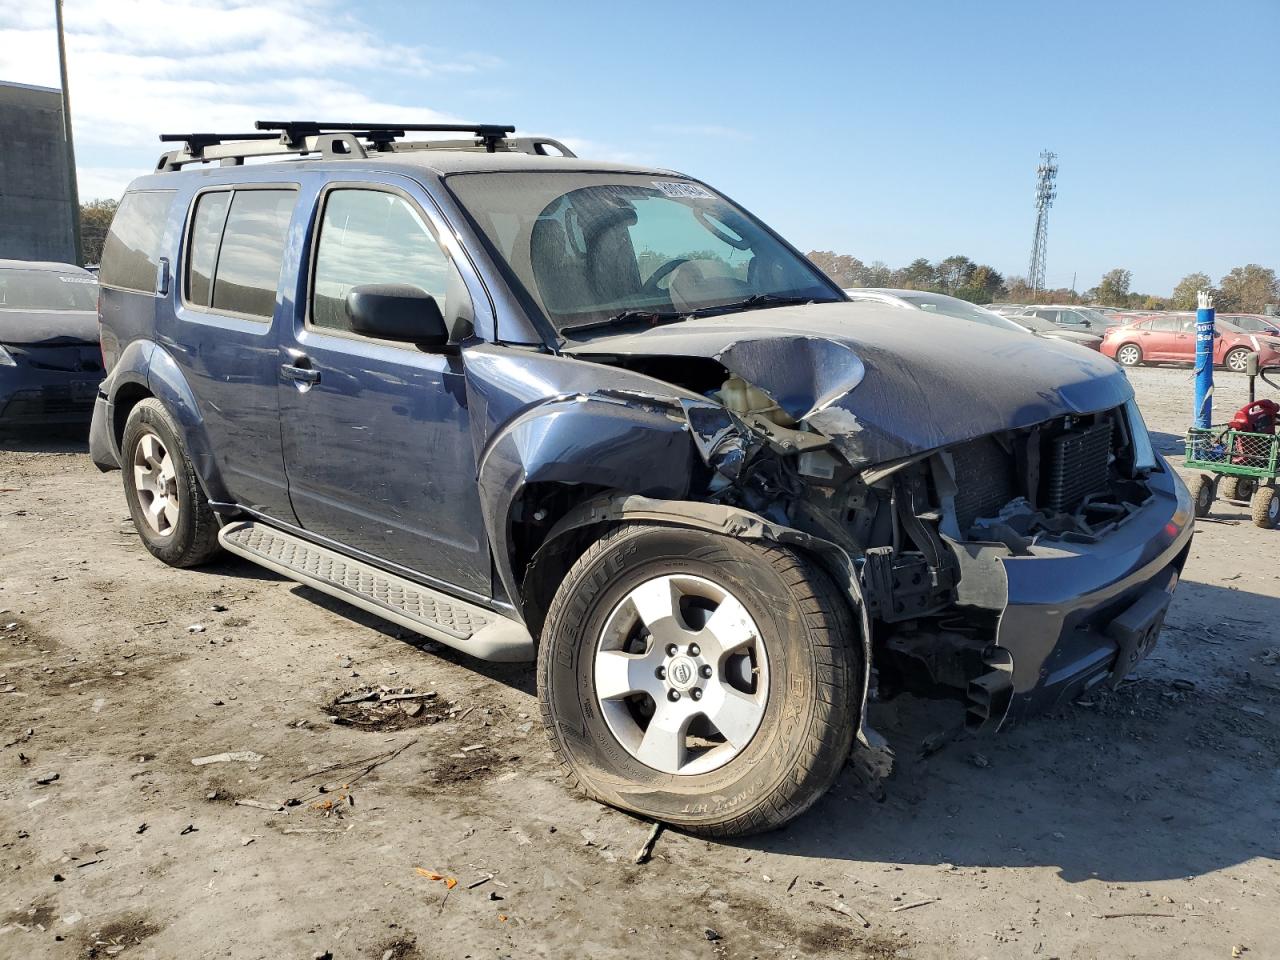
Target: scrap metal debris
237 756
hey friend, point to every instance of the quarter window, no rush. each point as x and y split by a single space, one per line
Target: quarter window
131 252
366 237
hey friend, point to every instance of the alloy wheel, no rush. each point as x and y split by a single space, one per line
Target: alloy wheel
681 674
156 483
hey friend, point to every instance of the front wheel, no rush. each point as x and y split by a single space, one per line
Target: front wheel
700 680
1202 494
1130 355
169 509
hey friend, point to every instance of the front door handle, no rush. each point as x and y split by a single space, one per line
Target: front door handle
291 371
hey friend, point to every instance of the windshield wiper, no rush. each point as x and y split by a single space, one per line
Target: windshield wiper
651 317
753 302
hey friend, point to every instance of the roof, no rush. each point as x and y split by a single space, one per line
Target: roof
49 265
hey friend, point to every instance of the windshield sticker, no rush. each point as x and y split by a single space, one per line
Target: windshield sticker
684 191
77 279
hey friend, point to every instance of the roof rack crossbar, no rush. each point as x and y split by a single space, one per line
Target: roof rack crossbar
339 140
490 133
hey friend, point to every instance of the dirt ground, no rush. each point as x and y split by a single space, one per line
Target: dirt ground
1138 823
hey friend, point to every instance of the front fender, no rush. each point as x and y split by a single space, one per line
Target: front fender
594 441
168 384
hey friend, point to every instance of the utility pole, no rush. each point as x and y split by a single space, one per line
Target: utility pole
66 132
1046 176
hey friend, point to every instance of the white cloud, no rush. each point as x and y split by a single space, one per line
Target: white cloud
143 67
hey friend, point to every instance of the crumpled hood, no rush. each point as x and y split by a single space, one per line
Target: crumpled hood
48 326
883 383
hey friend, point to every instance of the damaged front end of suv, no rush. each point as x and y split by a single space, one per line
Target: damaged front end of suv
1003 544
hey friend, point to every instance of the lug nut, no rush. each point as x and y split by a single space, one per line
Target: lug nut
693 650
661 673
696 693
673 695
706 671
672 650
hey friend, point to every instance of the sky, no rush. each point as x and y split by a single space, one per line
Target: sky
889 130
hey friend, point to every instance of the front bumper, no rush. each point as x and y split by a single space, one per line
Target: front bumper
1077 615
36 399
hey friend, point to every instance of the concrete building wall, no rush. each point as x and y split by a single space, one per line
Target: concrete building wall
35 196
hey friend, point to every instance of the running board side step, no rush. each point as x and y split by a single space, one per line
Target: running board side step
453 622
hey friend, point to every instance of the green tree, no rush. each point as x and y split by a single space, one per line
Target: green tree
954 272
1184 294
919 274
95 220
1248 289
1113 290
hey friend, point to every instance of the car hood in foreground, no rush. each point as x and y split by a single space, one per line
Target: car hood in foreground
883 383
48 326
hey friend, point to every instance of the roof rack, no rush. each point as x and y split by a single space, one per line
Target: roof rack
344 141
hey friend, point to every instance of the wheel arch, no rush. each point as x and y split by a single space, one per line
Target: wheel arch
578 528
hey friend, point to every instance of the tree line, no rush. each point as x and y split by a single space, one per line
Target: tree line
1247 289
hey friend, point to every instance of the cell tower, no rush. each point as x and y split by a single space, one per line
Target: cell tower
1046 176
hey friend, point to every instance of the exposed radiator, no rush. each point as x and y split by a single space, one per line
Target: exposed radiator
1077 466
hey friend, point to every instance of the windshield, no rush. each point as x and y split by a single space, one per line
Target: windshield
955 307
1093 316
1039 324
595 247
47 290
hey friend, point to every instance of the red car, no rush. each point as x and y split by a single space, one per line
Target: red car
1172 338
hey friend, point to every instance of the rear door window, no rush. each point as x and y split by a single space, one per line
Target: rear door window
202 251
131 252
248 265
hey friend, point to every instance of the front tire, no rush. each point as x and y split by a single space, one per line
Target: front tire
169 509
1237 361
1129 355
698 679
1202 494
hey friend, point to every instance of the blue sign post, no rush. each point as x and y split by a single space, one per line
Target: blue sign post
1204 360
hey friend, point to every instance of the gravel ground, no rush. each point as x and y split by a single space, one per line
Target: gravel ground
1138 823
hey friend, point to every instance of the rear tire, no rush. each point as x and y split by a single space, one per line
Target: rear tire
169 509
1202 494
1230 489
1265 507
803 677
1129 355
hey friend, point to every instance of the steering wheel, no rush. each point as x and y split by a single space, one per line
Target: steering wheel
650 286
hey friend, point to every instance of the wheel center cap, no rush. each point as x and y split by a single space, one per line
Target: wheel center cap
682 672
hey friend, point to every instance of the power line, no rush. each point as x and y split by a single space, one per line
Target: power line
1046 191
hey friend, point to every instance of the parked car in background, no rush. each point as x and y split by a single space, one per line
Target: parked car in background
50 362
1084 319
1006 309
964 310
1253 322
1171 337
1054 332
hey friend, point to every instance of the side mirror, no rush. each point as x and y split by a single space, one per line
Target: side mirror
396 311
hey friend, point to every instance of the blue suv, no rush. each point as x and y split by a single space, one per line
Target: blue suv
532 406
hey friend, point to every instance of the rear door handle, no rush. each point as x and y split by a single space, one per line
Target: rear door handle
290 371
